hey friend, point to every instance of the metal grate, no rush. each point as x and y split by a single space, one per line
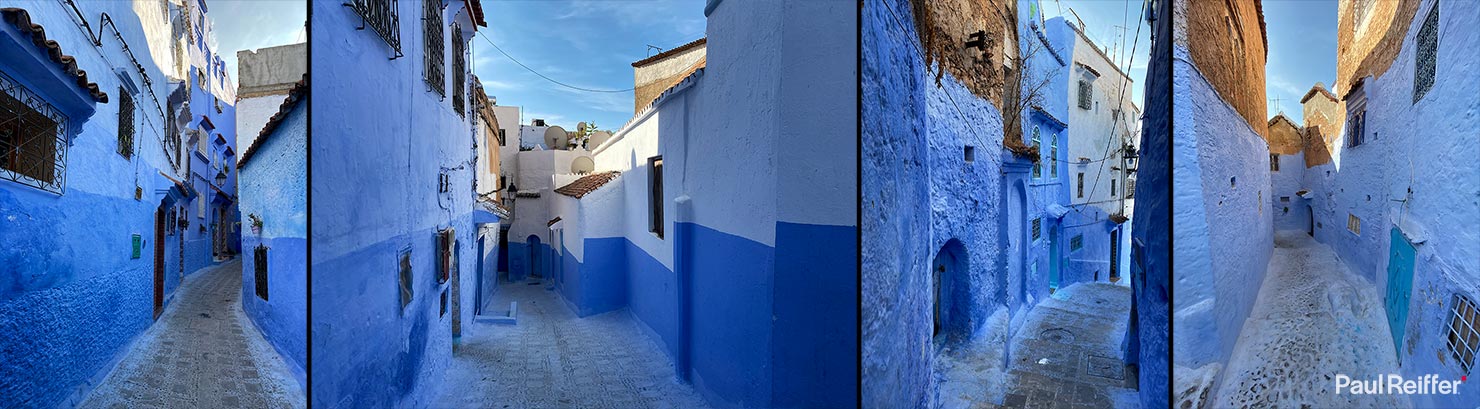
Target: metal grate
431 23
1037 228
33 142
1076 242
125 123
1085 92
381 16
1353 224
1428 53
1274 162
1463 339
459 70
259 267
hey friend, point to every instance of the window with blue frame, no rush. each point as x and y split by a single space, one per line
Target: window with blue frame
1038 165
1053 156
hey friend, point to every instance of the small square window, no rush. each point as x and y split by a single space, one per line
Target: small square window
1085 92
1285 199
1353 224
1274 162
970 154
1462 334
1037 228
1076 242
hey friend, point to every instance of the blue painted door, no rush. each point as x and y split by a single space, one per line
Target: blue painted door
1053 260
1399 286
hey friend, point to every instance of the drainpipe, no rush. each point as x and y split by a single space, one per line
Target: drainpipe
683 270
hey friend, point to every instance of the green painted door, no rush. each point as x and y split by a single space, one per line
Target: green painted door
1399 287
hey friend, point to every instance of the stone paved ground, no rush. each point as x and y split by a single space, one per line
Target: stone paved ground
552 359
203 352
1313 319
1066 355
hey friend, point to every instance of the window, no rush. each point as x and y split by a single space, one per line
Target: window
1428 52
446 254
1037 228
431 27
1284 199
33 142
1076 242
970 153
1353 224
1274 162
404 266
459 70
1037 165
382 17
1112 187
1463 339
501 137
1085 92
1081 184
125 123
1053 156
443 311
1356 124
259 266
655 195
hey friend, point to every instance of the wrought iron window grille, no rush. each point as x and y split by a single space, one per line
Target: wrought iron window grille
434 42
33 141
125 123
459 70
1463 338
382 17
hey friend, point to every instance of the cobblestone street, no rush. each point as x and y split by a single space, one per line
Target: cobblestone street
203 352
1313 320
554 359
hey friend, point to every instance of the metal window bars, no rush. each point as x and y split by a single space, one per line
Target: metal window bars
433 42
382 17
459 68
125 123
33 139
1463 340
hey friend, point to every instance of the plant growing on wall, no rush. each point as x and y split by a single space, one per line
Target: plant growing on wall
256 223
1032 84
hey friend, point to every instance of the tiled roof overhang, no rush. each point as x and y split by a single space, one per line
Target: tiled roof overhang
22 21
299 92
586 184
670 52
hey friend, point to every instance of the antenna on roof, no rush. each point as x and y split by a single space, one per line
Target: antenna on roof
651 47
1277 104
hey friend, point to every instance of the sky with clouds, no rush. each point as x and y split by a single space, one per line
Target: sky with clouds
589 44
1302 51
1101 19
254 24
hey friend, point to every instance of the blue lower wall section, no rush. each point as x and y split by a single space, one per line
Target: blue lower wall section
599 287
732 293
816 326
283 317
71 296
652 292
368 352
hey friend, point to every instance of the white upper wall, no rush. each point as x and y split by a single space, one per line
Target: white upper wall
1097 133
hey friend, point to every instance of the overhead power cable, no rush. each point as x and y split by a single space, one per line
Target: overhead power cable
516 61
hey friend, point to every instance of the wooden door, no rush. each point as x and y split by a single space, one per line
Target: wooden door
159 215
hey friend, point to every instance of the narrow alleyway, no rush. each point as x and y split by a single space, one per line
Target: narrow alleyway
1067 355
1313 320
202 352
552 358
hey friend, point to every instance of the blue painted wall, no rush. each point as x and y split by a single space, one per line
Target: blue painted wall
1148 344
816 315
1416 172
1295 213
274 187
1223 224
367 350
71 296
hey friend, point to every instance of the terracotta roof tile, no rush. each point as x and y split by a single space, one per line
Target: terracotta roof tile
299 91
552 221
22 20
1318 88
670 52
587 184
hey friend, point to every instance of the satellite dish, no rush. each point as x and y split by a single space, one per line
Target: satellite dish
581 127
582 165
556 137
597 138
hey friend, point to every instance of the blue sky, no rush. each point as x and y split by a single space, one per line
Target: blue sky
588 44
1100 20
1302 51
254 24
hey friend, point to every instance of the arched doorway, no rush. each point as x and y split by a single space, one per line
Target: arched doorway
947 273
534 255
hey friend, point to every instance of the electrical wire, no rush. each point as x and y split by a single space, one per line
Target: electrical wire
516 61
